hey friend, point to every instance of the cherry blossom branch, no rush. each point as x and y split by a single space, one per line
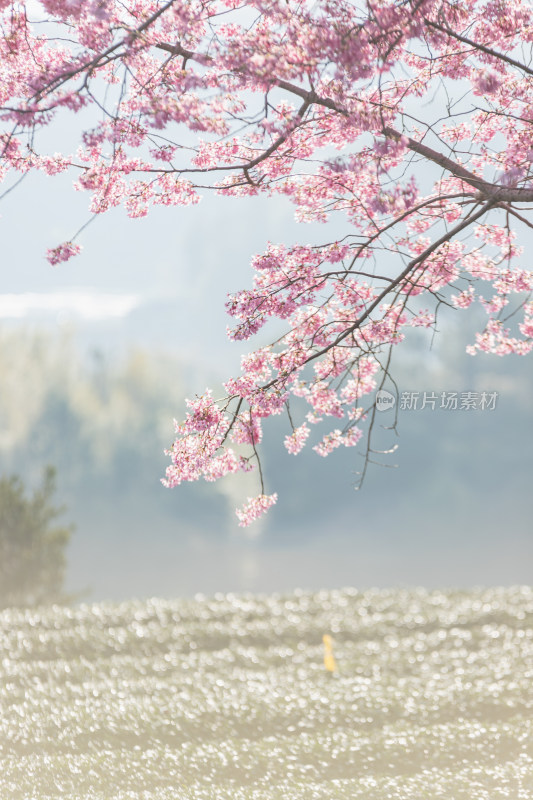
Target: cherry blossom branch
396 281
478 46
166 113
310 97
486 189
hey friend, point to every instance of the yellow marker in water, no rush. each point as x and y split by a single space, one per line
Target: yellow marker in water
329 659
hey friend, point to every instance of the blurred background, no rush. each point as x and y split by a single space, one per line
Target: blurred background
98 354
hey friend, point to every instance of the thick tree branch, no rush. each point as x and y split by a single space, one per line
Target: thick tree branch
486 190
489 190
478 46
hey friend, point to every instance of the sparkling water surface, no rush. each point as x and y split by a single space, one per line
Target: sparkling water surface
228 697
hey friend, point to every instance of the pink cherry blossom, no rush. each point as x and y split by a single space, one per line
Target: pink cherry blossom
62 252
254 508
297 439
311 103
465 299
